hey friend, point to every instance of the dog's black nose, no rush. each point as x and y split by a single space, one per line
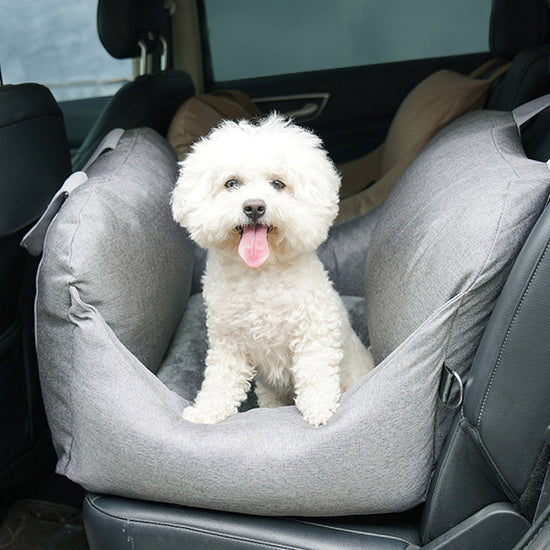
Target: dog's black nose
254 208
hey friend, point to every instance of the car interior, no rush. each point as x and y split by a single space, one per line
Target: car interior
489 485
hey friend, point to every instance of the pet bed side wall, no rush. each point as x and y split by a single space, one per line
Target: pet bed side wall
140 283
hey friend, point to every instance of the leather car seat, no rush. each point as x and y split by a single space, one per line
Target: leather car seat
34 162
137 29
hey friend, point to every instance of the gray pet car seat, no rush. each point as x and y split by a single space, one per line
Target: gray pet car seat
121 341
486 488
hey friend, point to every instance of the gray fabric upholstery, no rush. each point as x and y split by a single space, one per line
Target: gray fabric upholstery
96 249
344 253
182 366
439 252
451 229
138 281
449 234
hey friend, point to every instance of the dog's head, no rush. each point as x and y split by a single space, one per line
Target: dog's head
265 189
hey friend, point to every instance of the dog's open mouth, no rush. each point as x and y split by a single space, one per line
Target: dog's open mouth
253 247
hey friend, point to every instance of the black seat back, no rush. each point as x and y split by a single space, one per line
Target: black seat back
137 29
34 162
519 31
496 451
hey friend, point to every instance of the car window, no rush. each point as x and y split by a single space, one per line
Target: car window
55 43
249 38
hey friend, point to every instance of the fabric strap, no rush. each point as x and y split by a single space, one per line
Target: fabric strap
33 241
524 113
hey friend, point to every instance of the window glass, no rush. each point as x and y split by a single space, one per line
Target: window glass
264 37
55 43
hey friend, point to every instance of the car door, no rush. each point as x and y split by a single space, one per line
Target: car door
341 68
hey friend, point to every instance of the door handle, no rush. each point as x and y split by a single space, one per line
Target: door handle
309 109
301 107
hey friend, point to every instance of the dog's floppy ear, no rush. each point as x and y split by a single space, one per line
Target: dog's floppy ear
318 183
193 187
181 199
178 210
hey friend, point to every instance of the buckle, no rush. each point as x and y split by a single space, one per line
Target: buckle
448 379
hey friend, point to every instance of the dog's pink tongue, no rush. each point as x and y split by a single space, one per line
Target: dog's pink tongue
253 248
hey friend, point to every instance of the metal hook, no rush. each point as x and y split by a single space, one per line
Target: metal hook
448 376
164 54
142 58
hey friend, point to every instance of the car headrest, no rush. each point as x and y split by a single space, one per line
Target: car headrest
35 154
516 25
122 24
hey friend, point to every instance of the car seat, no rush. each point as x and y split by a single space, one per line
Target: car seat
105 415
34 161
137 29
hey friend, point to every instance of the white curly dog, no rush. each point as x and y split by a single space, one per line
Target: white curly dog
261 198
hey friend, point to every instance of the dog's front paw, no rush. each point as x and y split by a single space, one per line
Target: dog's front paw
203 416
316 413
319 417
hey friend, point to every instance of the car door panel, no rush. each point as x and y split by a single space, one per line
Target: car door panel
353 106
300 107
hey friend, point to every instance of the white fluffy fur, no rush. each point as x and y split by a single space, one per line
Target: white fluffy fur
281 323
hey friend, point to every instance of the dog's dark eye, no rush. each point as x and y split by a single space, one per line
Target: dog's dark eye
278 184
232 184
